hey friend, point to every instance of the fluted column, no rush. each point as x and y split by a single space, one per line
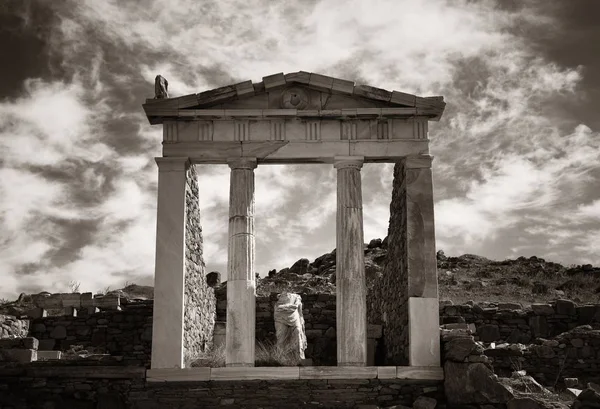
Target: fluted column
241 285
351 289
169 274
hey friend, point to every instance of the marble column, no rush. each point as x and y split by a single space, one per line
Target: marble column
351 289
169 274
423 302
241 284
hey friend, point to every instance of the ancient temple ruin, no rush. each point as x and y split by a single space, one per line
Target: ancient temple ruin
298 118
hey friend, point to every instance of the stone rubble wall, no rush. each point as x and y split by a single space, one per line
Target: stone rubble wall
388 301
126 333
549 341
47 301
573 354
11 327
200 301
511 322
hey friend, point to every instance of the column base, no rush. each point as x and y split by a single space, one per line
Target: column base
239 366
423 332
352 364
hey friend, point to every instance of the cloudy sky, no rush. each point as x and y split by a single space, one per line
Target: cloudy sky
517 153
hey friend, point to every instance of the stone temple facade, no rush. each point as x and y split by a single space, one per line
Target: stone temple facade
288 119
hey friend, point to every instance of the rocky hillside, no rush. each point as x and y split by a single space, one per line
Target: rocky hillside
463 278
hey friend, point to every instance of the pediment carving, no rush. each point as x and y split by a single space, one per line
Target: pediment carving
299 91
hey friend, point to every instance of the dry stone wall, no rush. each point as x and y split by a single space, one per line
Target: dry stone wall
573 354
116 387
200 302
511 322
388 301
126 333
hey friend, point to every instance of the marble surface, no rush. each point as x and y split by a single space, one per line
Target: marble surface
351 290
309 372
424 332
168 326
422 260
241 286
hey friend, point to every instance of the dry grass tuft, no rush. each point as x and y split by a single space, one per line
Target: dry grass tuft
266 354
213 358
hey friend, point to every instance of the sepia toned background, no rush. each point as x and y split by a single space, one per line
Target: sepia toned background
517 153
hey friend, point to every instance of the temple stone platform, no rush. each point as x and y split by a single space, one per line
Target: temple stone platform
409 373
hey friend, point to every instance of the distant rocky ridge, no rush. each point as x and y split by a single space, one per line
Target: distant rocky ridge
463 278
467 277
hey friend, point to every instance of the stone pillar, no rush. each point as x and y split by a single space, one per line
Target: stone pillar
169 275
423 302
241 285
351 289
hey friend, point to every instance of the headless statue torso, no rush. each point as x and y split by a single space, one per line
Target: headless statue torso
289 325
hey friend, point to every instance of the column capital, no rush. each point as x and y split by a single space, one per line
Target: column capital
421 161
343 162
172 164
242 163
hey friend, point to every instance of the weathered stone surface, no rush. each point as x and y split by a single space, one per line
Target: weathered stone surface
241 284
542 309
571 382
488 333
565 307
458 349
170 266
538 325
59 332
529 402
18 355
199 297
473 384
588 398
289 325
19 343
351 286
423 402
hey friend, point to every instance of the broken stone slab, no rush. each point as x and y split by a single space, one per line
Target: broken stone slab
473 383
588 398
459 349
571 382
542 309
18 355
565 307
509 306
36 313
48 355
19 343
112 302
447 335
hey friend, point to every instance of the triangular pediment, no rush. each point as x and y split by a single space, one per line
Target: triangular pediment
300 90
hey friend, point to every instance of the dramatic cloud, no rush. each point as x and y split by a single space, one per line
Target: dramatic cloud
514 171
